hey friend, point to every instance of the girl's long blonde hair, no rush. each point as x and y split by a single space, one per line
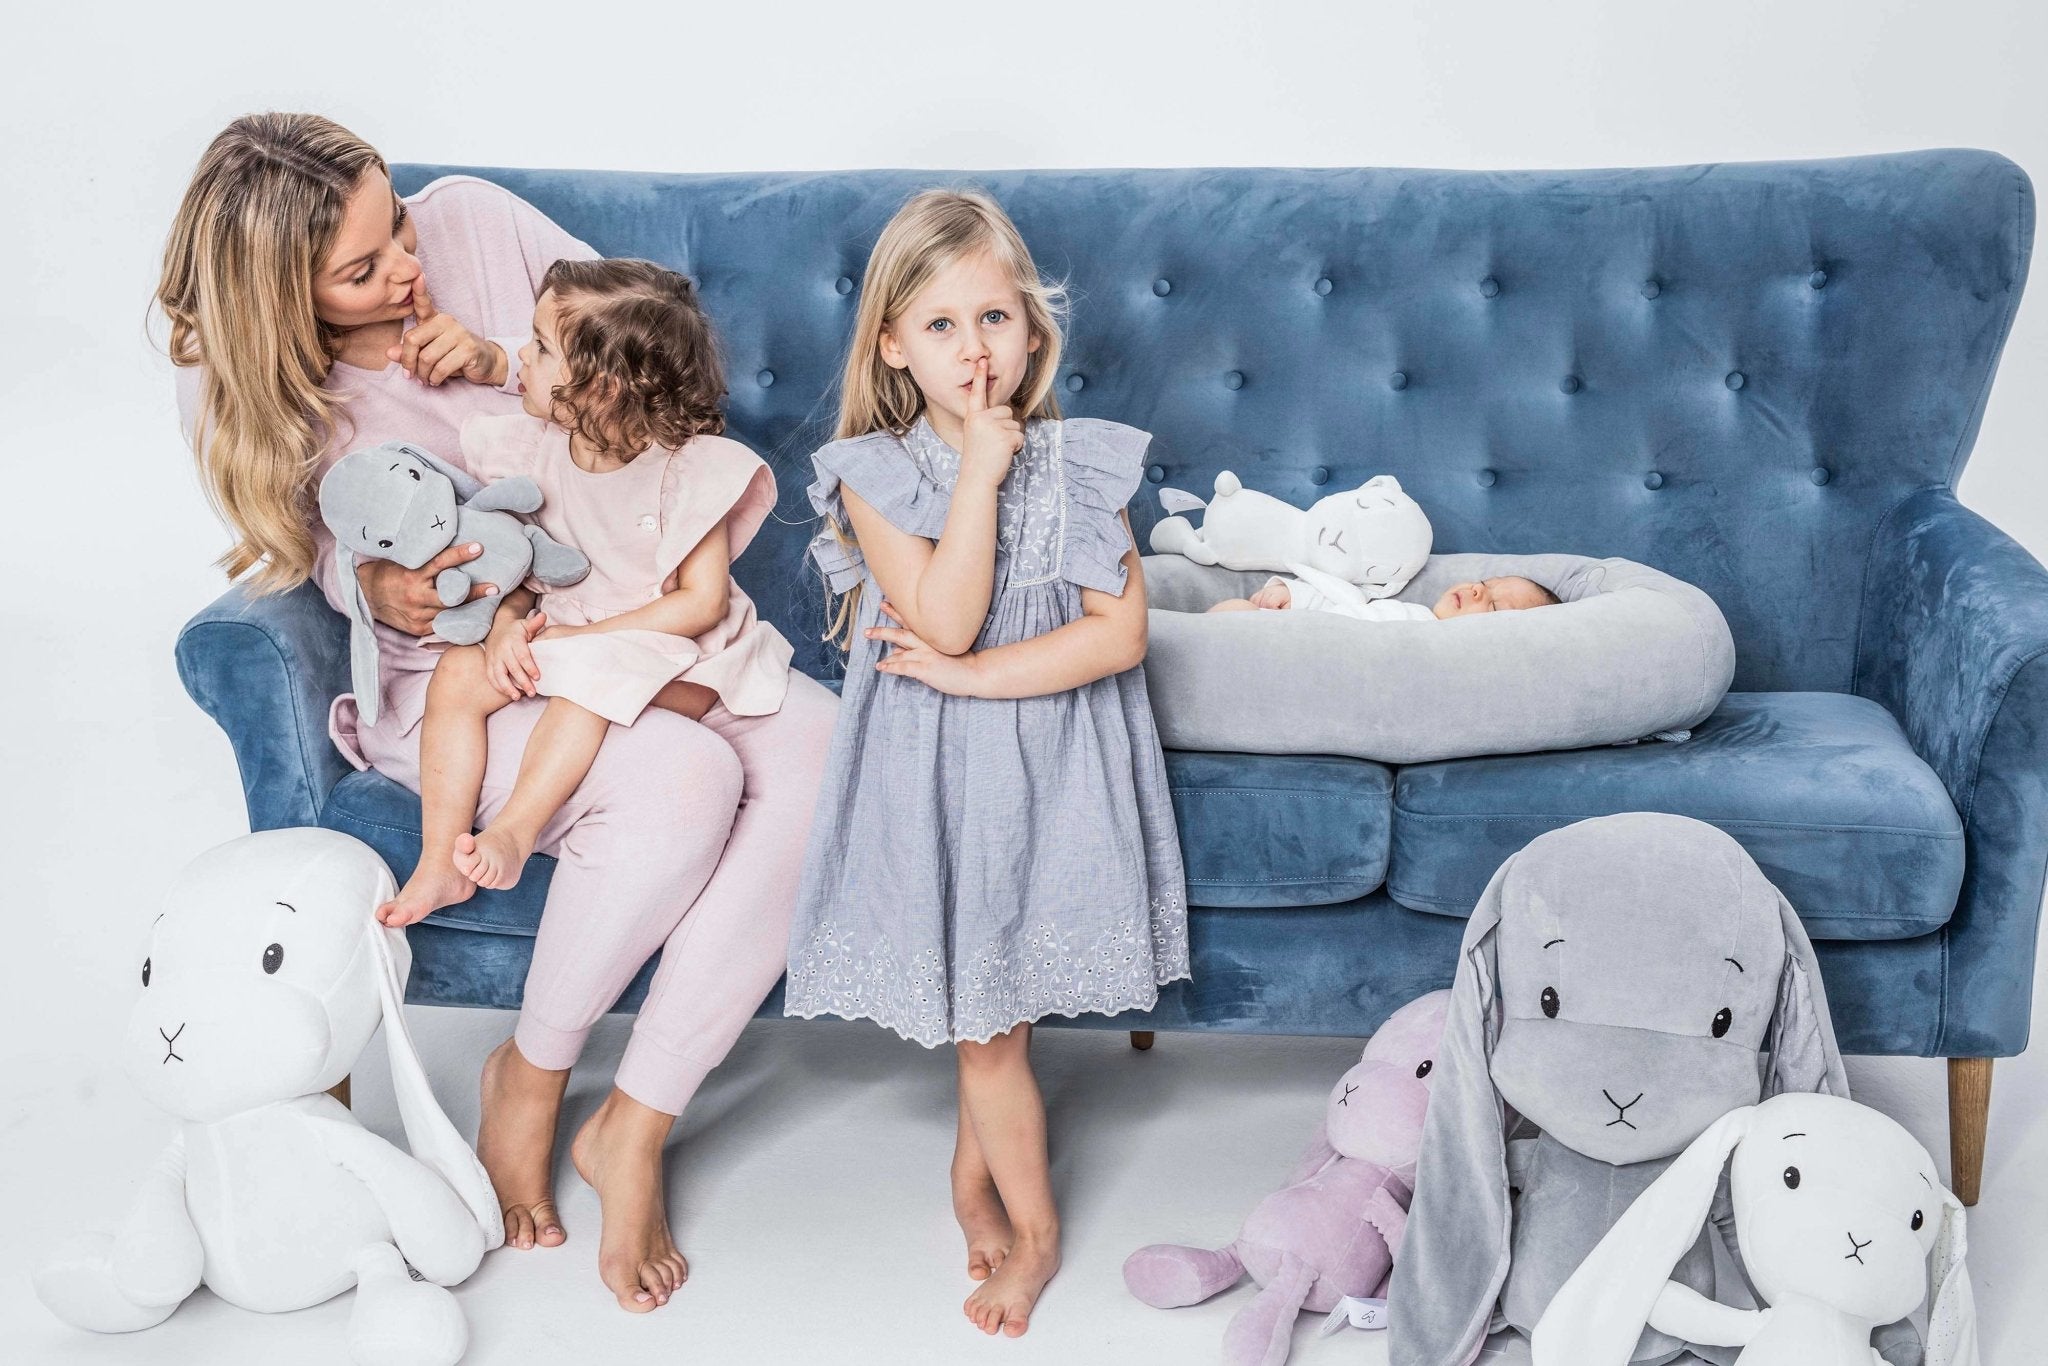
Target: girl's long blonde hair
257 222
931 231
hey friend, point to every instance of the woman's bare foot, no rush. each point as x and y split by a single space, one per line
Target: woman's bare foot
1005 1300
516 1140
618 1151
494 858
435 882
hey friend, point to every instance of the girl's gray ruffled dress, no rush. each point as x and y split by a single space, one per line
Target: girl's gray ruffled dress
977 863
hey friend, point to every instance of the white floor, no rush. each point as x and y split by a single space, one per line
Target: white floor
809 1179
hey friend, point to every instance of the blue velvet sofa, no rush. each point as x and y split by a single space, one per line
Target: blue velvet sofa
1763 378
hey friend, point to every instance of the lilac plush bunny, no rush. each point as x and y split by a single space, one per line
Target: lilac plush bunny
1334 1229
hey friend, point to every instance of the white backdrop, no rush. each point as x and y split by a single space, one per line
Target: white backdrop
110 773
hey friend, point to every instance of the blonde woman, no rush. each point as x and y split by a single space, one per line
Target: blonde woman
994 843
313 311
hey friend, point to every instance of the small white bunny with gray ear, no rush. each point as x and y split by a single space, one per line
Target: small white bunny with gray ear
263 981
1843 1227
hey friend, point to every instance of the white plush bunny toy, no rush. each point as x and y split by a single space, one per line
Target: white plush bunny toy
1373 538
1837 1210
263 980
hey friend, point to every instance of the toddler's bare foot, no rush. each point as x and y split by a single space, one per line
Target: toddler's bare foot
516 1140
494 858
435 882
979 1208
618 1151
1005 1300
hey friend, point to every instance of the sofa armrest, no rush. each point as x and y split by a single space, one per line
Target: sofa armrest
1952 640
266 668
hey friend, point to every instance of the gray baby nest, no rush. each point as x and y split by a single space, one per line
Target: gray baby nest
1628 652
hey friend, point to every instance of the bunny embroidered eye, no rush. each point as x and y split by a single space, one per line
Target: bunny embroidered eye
383 545
273 958
145 982
415 475
1918 1220
1550 1002
1791 1178
1722 1019
1423 1070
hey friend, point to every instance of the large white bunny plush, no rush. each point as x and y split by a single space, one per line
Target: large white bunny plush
1843 1223
263 980
1374 537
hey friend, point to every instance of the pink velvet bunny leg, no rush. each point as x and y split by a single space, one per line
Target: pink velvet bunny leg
1262 1334
1168 1277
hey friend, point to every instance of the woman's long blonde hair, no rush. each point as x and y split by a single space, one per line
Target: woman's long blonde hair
257 222
931 231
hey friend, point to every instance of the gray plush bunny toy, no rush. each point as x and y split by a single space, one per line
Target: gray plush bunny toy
1623 983
398 502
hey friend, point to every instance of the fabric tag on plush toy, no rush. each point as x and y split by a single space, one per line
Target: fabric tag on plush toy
1356 1312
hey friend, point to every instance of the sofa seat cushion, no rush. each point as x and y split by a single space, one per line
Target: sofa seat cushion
1822 789
1280 830
1255 830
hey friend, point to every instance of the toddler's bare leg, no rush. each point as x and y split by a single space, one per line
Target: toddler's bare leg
558 755
452 749
685 699
1235 605
1008 1115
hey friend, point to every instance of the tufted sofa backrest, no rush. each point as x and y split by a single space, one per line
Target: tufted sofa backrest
1726 371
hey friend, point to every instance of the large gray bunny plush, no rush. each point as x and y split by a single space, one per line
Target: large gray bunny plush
398 502
1623 983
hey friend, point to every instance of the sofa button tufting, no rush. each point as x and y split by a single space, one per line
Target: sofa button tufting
844 284
1736 379
1569 384
1651 289
1156 473
1076 383
1489 286
1162 287
765 378
1820 474
1653 480
1488 478
1234 380
1323 286
1819 279
1398 380
1319 475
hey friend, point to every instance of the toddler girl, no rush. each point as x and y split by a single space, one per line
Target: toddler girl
993 842
620 388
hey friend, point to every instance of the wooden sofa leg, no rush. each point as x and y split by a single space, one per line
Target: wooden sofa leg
1141 1039
340 1091
1969 1105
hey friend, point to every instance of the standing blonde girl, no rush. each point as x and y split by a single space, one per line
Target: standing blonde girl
994 841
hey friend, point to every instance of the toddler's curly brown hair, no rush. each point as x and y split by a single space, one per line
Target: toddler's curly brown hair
640 355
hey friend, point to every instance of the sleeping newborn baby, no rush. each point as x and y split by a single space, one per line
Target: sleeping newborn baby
1509 593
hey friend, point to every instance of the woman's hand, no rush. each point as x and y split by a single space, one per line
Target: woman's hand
993 435
912 658
508 662
406 599
440 348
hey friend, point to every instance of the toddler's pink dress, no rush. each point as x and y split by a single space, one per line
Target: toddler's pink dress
637 524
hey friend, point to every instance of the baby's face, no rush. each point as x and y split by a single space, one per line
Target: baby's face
1510 593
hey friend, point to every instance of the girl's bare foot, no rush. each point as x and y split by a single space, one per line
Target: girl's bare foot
1005 1300
435 882
494 858
516 1140
978 1206
618 1151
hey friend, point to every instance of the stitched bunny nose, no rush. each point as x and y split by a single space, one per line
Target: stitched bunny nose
1856 1250
1621 1111
170 1044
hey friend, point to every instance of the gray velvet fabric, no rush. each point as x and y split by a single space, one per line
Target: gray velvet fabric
1629 651
1590 996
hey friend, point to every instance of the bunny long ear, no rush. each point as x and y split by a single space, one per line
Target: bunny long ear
428 1132
1598 1316
362 639
1952 1312
1801 1041
1454 1256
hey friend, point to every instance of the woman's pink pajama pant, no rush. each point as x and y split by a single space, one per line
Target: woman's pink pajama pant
687 837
